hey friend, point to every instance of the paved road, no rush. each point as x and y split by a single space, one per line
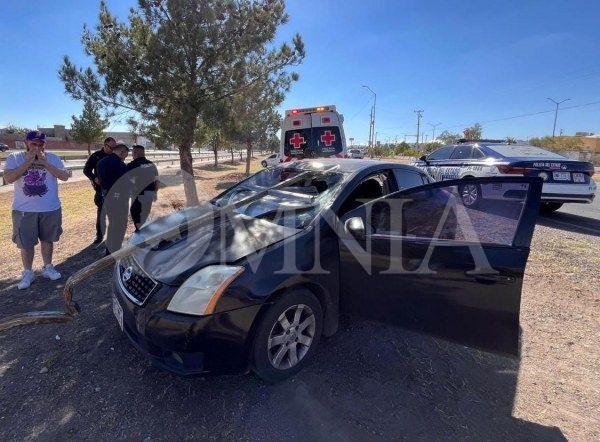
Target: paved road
580 218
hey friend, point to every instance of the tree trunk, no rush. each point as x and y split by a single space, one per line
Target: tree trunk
248 156
187 173
216 151
89 150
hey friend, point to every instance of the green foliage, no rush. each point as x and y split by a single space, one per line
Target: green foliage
475 132
12 129
430 147
176 61
447 137
89 127
558 144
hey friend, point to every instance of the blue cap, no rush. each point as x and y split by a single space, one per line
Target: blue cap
36 135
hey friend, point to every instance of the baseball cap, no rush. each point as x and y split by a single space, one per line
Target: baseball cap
36 135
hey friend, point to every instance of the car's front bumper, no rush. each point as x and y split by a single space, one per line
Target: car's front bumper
185 344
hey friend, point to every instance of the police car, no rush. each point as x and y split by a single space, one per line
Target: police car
565 180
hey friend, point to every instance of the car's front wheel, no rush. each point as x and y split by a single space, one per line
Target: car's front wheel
549 207
263 163
287 336
470 195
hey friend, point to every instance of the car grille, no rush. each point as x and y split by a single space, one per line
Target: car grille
134 282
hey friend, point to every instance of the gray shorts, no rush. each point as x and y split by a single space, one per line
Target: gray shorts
28 227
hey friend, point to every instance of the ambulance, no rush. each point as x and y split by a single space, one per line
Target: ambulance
314 132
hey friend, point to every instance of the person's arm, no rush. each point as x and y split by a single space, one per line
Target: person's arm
13 171
58 169
89 167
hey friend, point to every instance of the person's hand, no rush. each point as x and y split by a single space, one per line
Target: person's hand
97 180
30 155
42 158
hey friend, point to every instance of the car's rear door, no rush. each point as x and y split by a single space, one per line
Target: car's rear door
427 262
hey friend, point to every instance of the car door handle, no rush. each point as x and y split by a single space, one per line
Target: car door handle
491 278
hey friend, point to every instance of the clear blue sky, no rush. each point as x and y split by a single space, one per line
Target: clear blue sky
462 62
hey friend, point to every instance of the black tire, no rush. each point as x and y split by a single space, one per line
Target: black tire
549 207
263 163
470 195
287 336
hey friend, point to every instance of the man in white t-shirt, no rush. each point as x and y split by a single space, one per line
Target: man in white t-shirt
36 209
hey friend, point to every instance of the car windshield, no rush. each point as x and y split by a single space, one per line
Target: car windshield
295 205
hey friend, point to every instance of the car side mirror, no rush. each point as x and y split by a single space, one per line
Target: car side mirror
423 158
355 227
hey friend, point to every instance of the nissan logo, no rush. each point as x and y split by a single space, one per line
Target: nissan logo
127 274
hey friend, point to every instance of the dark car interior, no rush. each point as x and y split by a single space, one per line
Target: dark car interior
368 190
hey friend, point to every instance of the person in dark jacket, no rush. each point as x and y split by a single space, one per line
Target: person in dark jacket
90 171
112 173
144 175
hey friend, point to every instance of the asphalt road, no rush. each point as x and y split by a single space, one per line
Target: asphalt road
580 218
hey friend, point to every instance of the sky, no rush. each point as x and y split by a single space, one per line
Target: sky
460 62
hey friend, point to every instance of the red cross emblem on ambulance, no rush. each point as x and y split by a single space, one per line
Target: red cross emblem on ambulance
297 140
328 138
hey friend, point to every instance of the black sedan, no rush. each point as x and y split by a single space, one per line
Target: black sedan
255 277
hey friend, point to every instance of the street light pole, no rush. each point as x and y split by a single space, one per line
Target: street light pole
433 130
556 112
372 122
419 112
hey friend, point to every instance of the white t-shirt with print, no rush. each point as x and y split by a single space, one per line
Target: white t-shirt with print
37 189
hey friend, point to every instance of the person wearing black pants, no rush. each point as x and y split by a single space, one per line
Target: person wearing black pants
144 175
90 171
116 188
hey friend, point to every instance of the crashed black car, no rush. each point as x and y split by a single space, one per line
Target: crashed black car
279 256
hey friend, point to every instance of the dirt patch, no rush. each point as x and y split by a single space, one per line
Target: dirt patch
84 380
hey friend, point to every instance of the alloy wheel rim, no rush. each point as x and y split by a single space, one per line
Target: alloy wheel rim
470 194
291 336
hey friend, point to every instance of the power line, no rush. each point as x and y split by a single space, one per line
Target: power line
522 115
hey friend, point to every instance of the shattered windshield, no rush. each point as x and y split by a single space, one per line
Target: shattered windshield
295 205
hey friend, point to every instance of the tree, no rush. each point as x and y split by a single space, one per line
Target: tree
12 129
89 127
474 132
448 138
557 144
176 59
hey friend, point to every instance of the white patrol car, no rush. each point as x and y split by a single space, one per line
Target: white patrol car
565 180
314 132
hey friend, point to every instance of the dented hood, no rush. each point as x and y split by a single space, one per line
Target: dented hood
224 239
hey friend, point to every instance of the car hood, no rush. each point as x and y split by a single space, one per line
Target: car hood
223 239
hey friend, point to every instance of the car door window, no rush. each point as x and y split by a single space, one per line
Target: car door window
407 179
438 213
461 153
443 153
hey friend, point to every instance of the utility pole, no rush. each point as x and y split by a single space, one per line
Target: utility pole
372 123
556 112
419 112
433 130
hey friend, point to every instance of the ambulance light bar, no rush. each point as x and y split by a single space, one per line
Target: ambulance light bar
310 110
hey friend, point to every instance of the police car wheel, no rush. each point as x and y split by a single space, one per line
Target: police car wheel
470 195
549 207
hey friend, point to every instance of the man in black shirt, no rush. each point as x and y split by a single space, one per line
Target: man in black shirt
90 171
112 173
144 175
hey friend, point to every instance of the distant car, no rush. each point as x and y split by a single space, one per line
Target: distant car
3 147
253 278
565 180
271 160
356 153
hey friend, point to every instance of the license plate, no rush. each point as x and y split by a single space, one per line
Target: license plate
118 311
561 176
578 178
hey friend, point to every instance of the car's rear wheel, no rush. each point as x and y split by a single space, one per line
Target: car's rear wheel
470 195
287 336
549 207
263 163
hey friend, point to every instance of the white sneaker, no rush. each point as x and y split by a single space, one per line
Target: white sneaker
26 279
50 272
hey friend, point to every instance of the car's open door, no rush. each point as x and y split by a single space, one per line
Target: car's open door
421 259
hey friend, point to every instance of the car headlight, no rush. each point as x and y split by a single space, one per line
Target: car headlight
200 292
